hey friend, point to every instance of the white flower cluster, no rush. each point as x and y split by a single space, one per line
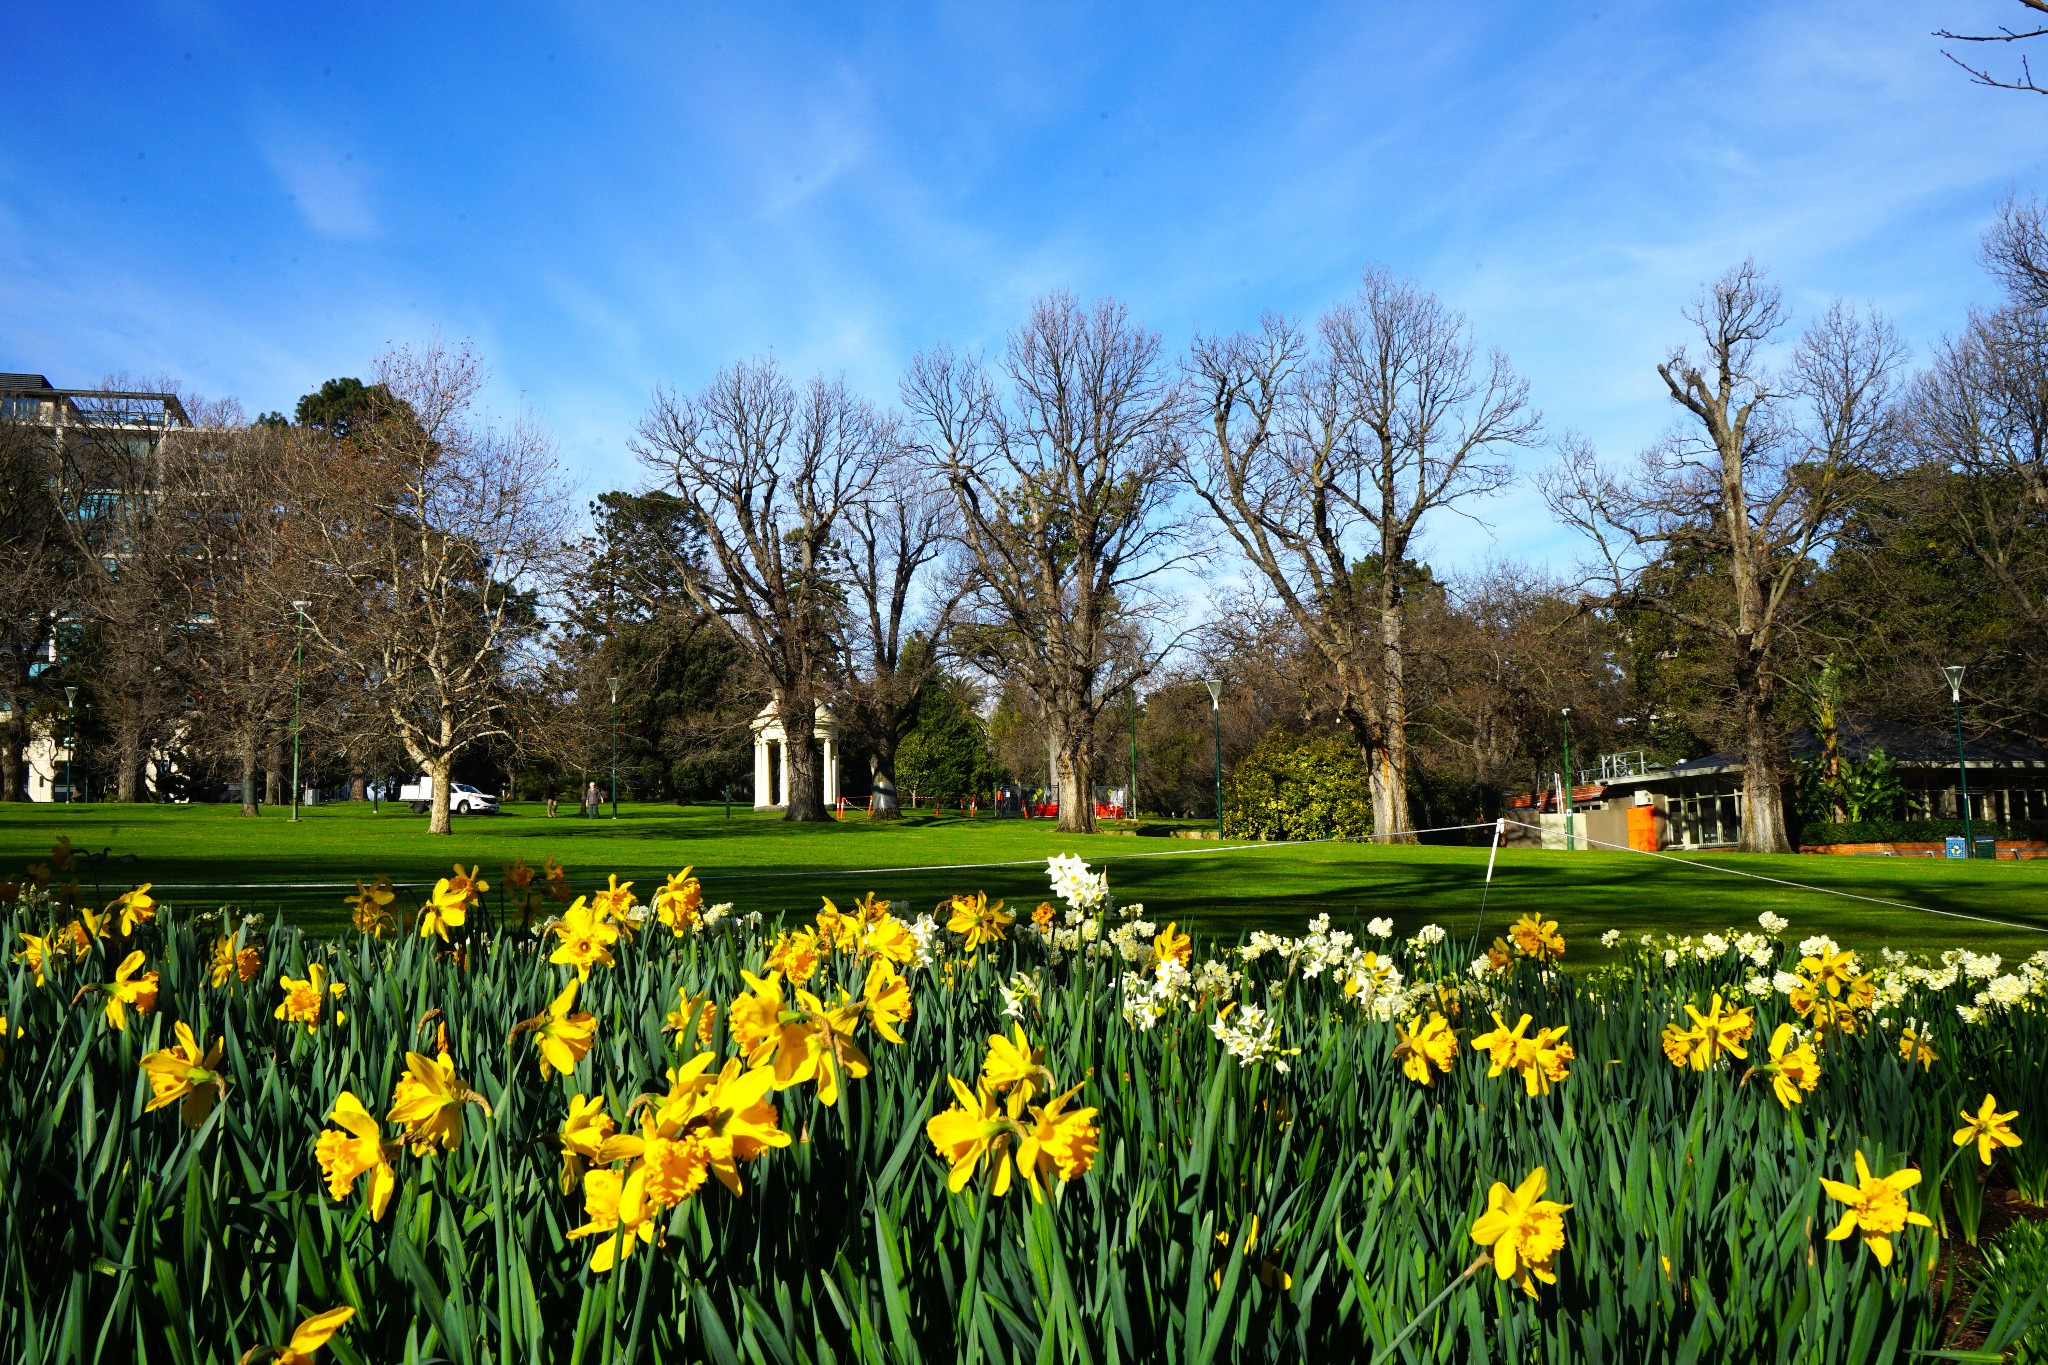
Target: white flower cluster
1380 928
1978 966
1132 941
1073 932
1427 937
1073 883
1023 989
1610 938
1773 924
1216 979
1252 1038
924 931
1820 945
1758 986
1150 995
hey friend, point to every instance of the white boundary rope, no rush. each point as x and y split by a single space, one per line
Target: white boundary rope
1801 886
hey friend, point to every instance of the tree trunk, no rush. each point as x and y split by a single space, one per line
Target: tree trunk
358 787
128 781
273 776
1390 775
804 802
1763 784
13 735
439 770
1077 782
249 773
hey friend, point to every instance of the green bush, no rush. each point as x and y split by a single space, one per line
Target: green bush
1912 831
1298 787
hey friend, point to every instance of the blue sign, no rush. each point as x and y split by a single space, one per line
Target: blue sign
1955 847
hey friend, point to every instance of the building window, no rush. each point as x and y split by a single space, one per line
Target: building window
1706 821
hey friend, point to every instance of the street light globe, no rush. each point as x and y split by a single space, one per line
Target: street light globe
1954 674
71 696
615 689
1215 686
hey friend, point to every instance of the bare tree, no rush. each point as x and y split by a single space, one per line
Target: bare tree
1059 488
434 531
896 541
770 472
227 496
37 557
1983 75
1749 491
1322 460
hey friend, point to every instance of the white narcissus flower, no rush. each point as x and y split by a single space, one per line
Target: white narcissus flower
1380 928
1773 924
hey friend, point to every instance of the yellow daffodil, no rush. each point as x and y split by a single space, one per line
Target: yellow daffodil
586 1136
1541 1061
752 1018
62 857
837 930
1794 1071
586 939
1877 1208
127 988
184 1073
428 1101
617 1209
1057 1140
518 875
35 955
813 1044
703 1007
359 1149
562 1038
310 1335
1525 1231
613 903
1043 916
6 1032
1014 1062
890 938
1172 946
1914 1047
1720 1031
1423 1045
886 996
1537 938
977 921
795 954
304 999
446 908
370 908
135 908
974 1131
677 902
1988 1128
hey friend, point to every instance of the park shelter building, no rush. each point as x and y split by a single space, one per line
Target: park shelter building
1698 804
771 756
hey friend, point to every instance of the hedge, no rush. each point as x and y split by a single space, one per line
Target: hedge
1912 831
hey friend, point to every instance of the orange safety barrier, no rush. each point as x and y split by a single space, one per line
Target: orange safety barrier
1642 828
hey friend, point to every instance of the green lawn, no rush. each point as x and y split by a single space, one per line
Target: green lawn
202 856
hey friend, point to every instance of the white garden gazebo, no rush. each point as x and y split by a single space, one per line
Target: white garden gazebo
771 757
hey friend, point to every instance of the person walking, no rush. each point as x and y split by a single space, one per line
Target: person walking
591 801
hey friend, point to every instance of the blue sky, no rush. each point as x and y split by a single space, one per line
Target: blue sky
253 198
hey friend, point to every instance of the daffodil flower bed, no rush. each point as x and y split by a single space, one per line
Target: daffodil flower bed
633 1125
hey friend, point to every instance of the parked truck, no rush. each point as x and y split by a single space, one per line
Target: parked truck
463 799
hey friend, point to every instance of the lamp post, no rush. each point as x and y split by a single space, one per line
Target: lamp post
299 605
1215 687
615 746
1954 674
70 745
1566 724
1133 793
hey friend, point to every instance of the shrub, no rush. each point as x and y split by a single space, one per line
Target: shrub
1298 787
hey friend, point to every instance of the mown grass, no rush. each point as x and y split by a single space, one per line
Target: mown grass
208 855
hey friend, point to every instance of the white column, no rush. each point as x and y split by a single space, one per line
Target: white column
761 801
828 757
783 790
